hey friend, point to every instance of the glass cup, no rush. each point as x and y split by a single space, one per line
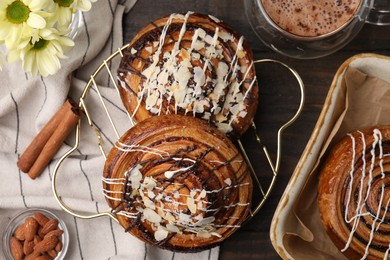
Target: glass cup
302 46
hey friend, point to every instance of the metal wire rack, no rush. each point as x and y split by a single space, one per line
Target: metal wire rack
264 190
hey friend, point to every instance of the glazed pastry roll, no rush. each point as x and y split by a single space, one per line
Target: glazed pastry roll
354 194
190 64
178 183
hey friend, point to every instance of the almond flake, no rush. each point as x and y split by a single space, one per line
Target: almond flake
191 205
170 217
176 194
149 183
135 177
149 203
151 216
192 194
225 36
151 194
160 234
208 39
205 221
203 234
159 197
149 49
151 100
228 181
173 228
223 127
242 114
184 218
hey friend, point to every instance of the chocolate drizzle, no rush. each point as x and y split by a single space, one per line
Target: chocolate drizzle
178 187
364 194
190 64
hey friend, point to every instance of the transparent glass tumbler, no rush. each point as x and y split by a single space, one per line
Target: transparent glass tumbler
308 47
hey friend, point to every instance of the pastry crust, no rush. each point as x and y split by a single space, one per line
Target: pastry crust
190 64
178 183
354 194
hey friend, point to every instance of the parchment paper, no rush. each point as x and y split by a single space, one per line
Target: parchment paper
363 101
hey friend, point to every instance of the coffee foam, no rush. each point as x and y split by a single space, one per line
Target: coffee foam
310 17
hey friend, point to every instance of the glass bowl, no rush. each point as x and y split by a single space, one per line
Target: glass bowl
19 219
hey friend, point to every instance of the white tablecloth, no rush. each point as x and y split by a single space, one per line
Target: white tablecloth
27 103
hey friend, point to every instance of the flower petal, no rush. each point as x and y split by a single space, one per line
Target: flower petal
13 38
13 56
83 5
36 5
36 21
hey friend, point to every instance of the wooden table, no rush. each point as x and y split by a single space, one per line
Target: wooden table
279 98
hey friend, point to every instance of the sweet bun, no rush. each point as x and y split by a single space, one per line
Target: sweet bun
178 183
190 64
354 194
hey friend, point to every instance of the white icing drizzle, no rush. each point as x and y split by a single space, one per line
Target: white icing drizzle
154 200
179 80
137 148
377 218
387 253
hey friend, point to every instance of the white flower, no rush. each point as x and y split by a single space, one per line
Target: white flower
35 32
19 17
82 5
63 17
44 55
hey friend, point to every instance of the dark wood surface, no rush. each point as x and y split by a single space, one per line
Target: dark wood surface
279 98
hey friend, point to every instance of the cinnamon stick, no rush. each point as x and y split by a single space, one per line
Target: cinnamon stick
55 141
32 152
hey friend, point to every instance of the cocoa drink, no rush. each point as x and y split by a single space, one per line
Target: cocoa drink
310 18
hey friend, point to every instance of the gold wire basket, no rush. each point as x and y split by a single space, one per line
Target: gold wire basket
263 191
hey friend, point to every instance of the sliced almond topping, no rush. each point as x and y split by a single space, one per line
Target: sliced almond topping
173 228
160 234
191 205
151 216
228 181
204 234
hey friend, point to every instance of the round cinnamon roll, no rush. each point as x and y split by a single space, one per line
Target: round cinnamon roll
354 194
176 182
190 64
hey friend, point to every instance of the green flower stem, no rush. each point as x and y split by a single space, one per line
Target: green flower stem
17 12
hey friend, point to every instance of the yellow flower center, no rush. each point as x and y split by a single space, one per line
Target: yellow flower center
17 12
40 44
64 3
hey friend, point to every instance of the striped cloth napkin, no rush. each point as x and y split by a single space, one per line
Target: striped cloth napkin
27 103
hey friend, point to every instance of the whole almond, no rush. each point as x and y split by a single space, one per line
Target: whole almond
16 248
30 228
19 232
49 226
42 219
28 247
58 247
52 253
55 232
48 243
